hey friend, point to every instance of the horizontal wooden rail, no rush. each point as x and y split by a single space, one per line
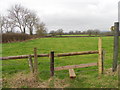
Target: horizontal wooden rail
75 66
77 53
47 55
23 56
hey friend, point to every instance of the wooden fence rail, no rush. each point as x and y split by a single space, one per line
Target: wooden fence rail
47 55
22 56
75 66
77 53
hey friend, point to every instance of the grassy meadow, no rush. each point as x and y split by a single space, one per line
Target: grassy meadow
16 70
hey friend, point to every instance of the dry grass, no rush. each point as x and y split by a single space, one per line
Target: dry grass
109 72
21 80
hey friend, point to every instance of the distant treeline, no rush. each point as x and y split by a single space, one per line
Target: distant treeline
14 37
88 32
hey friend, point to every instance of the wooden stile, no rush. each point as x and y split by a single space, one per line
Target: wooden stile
72 73
30 63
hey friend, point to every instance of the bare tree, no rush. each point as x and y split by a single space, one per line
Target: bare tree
17 14
21 18
71 32
32 21
96 32
89 32
53 33
1 23
41 29
59 32
6 24
77 32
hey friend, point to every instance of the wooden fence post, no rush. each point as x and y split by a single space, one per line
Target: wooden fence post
100 57
103 58
35 62
116 40
52 63
30 63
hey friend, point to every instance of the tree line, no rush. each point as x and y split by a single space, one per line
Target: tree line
89 32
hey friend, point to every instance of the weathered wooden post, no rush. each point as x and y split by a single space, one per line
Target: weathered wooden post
52 63
116 44
30 63
103 58
100 57
35 62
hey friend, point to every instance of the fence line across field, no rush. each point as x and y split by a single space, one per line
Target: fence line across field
33 64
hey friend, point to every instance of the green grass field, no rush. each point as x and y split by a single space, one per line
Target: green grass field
86 77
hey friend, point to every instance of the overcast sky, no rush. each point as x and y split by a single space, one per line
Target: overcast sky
70 14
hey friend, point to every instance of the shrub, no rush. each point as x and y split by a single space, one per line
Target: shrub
12 37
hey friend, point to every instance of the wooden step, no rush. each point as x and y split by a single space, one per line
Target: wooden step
72 73
75 66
